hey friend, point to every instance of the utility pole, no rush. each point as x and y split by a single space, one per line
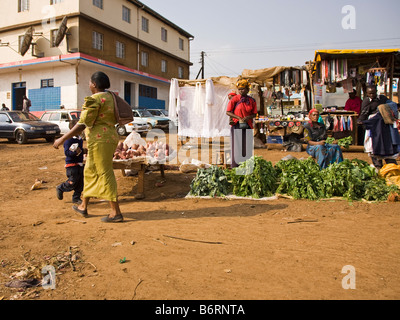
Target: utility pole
202 66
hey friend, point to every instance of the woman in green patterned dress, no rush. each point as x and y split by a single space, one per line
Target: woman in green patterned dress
98 121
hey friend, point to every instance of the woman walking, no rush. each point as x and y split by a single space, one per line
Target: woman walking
99 120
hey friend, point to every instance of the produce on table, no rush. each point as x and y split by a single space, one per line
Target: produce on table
254 178
211 181
157 149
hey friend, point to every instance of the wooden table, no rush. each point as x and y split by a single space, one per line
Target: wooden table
140 164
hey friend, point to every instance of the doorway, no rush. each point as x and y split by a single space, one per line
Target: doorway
18 93
129 93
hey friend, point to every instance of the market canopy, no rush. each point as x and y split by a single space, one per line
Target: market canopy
262 77
386 57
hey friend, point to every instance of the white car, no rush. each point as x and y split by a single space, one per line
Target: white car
61 117
138 125
153 121
162 113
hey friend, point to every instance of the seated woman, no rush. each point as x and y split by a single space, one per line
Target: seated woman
315 135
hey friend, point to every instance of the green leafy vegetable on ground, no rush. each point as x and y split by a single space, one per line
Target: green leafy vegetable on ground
300 179
210 182
254 178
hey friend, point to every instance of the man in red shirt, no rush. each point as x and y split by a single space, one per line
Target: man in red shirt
353 103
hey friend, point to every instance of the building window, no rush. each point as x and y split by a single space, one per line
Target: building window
53 36
181 44
148 92
180 73
120 50
126 14
23 5
164 34
55 1
163 65
98 3
97 40
46 83
145 24
145 59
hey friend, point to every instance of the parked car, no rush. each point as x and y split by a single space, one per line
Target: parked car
138 124
20 126
153 121
162 113
61 117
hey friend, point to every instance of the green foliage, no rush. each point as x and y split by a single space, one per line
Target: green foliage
254 178
345 142
210 182
300 179
347 179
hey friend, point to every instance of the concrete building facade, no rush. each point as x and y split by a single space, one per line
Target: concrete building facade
135 46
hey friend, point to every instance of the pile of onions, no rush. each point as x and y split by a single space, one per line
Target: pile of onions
157 149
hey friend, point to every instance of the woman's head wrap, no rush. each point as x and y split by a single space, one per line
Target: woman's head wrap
243 83
313 110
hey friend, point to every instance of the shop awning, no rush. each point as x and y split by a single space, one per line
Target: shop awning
362 56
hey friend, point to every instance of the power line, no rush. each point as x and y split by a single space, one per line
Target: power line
293 47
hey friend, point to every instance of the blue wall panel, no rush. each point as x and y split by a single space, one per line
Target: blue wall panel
150 103
45 98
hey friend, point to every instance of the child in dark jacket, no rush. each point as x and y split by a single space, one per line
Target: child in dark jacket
73 150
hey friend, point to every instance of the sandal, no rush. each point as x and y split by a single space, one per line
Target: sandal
118 218
83 213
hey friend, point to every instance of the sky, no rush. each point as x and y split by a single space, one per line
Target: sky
255 34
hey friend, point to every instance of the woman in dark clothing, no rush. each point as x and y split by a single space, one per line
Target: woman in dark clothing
315 136
382 140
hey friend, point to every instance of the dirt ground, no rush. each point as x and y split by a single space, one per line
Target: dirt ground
173 248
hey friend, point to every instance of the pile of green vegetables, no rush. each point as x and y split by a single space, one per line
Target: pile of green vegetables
210 182
300 179
254 178
344 142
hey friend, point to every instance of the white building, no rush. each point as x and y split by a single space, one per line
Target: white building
135 46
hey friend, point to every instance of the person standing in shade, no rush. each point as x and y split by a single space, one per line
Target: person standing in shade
353 103
370 108
242 109
26 104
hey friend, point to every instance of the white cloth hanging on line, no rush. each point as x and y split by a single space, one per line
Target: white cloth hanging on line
198 100
173 99
210 94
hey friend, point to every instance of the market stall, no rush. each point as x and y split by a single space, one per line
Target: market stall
287 99
141 165
335 73
200 105
135 154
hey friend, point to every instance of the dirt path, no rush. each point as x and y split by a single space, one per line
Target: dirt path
170 247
